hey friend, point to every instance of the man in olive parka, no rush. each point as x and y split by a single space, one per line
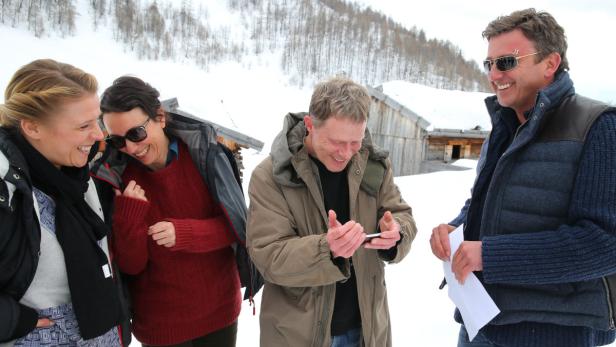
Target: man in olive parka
313 204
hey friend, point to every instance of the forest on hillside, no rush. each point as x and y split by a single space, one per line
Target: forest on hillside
313 38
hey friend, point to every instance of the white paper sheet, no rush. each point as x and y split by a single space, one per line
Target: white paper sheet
475 304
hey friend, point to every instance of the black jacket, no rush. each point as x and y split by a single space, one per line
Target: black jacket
20 238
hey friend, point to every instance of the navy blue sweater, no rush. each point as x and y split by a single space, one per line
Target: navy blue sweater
578 252
581 251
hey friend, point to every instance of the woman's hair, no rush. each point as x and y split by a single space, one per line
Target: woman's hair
129 92
39 88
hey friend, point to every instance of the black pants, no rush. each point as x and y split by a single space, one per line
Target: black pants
224 337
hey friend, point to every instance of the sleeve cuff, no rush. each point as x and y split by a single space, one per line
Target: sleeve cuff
130 209
341 263
459 220
182 234
390 254
26 322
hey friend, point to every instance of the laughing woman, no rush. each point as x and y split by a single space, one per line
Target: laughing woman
178 221
56 282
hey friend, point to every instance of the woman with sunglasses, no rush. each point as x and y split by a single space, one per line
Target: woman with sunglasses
56 279
178 213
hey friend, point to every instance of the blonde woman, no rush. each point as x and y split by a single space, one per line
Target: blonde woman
55 273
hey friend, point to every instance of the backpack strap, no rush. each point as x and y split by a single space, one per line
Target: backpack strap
373 177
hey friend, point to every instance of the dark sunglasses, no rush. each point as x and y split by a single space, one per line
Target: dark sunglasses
504 63
136 134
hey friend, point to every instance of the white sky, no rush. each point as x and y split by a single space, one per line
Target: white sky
589 26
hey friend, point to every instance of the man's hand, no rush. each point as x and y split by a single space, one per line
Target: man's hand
133 190
439 241
344 240
44 323
390 233
163 233
467 259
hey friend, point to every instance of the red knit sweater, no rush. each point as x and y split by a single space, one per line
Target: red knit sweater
188 290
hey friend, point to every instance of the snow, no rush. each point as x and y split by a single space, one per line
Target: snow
452 109
468 163
253 96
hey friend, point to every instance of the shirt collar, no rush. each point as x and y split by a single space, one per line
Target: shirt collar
173 152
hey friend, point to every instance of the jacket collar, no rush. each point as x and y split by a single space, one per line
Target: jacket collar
12 165
290 159
10 155
547 98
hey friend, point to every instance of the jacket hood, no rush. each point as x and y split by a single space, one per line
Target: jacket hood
289 142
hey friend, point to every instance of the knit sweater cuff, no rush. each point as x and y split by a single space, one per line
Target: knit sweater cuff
183 229
28 318
501 256
129 209
519 259
570 254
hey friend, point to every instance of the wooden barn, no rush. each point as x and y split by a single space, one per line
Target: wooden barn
233 139
399 130
414 144
452 144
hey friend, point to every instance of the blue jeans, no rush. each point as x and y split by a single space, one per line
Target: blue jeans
351 338
479 341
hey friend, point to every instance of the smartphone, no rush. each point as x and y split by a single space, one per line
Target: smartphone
371 236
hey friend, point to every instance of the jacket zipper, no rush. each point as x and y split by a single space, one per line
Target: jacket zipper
609 303
517 130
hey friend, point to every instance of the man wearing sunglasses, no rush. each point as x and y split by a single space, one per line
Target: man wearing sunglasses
540 225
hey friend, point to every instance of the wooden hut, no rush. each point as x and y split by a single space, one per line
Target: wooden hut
414 147
233 139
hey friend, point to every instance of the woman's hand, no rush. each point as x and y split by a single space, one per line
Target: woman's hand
133 190
44 323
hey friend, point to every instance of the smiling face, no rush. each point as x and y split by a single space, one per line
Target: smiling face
518 87
152 151
334 141
66 136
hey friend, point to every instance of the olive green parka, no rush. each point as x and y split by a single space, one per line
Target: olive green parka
286 238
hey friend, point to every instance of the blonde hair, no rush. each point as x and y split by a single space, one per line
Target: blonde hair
339 97
39 88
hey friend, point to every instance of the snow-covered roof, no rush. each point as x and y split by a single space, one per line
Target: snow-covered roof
448 109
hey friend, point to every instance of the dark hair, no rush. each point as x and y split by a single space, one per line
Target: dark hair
40 87
539 27
127 93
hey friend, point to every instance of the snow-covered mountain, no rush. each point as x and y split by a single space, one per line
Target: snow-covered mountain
252 95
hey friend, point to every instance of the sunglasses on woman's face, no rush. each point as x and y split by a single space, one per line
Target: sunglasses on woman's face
504 63
136 134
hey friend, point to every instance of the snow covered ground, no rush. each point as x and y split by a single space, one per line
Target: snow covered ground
252 97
